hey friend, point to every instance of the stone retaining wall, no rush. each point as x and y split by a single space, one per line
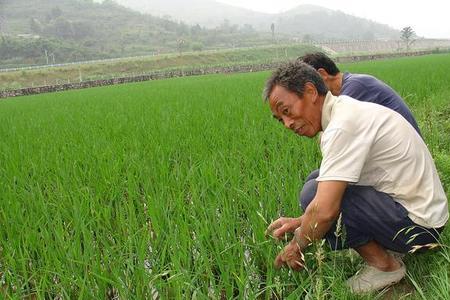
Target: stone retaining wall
361 46
347 59
140 78
183 73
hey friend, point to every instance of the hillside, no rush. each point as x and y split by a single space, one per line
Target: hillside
310 21
320 23
129 67
206 13
73 30
58 31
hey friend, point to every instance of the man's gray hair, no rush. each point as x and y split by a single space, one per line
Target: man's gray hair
293 76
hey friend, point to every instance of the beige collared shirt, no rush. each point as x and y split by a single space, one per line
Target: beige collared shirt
368 144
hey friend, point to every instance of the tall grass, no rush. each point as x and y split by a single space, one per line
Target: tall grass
164 190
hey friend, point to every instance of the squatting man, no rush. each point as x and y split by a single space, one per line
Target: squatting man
376 171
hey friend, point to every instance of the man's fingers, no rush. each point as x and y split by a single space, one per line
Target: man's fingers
280 232
279 261
283 225
295 265
274 225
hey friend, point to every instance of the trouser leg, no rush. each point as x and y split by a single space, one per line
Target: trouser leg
371 215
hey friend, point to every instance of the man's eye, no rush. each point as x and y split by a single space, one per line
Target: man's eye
285 111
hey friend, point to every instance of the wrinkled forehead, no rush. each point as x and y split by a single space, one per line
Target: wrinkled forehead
278 93
282 96
275 102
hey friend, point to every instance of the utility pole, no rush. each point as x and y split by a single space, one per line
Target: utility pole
2 25
46 55
272 28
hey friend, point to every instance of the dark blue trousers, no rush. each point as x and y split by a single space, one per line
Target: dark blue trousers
369 215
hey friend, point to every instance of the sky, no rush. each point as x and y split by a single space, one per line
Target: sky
430 18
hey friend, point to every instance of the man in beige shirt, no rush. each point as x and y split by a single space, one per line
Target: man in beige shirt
376 171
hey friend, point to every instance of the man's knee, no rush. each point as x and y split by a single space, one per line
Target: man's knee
308 193
313 175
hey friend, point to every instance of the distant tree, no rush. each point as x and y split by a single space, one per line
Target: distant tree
227 28
407 36
56 12
197 46
2 25
196 30
247 28
53 14
307 38
368 35
82 30
181 44
61 28
272 28
225 23
167 17
182 29
109 3
35 26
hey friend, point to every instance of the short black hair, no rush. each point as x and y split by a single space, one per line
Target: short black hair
293 76
320 60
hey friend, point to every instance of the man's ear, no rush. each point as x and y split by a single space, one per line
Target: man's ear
323 73
311 90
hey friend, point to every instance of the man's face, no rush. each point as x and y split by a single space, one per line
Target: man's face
301 115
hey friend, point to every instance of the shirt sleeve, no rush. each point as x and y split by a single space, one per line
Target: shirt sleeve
344 155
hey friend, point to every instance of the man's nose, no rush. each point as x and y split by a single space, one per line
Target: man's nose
288 122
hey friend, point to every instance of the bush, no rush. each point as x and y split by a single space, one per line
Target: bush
197 46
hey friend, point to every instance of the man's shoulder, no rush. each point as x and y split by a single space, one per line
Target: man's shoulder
346 104
362 79
370 89
350 113
344 111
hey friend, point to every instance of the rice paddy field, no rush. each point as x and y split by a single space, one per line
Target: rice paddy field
163 190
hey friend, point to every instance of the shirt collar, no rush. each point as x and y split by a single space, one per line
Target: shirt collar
327 109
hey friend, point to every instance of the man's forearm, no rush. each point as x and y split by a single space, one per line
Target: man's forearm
298 222
317 220
312 228
321 213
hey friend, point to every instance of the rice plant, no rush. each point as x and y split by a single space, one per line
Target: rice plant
163 190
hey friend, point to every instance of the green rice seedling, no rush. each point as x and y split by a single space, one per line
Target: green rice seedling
164 189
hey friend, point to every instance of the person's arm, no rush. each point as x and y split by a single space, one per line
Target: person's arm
321 213
315 222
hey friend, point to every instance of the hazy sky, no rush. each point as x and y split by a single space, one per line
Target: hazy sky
430 18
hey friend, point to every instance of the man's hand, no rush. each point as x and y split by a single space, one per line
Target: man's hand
290 256
283 225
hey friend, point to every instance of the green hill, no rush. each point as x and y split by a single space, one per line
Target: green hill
314 22
72 30
320 23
